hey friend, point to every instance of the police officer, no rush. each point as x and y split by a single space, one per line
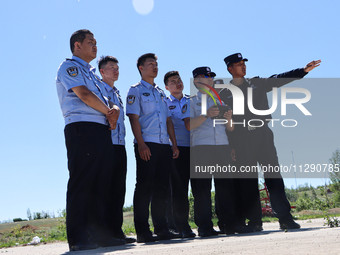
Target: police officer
179 107
256 144
109 69
210 147
87 117
152 127
218 81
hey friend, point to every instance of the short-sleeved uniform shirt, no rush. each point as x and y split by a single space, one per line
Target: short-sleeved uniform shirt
77 72
148 102
117 135
180 109
206 133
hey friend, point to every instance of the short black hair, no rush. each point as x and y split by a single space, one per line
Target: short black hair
168 75
102 61
141 60
78 36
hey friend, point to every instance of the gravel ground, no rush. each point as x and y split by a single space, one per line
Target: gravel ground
312 238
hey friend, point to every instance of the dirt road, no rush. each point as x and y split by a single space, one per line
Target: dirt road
312 238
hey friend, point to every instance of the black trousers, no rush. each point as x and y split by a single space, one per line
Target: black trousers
151 186
210 155
180 176
252 147
89 153
118 188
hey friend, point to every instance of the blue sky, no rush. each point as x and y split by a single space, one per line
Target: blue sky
275 37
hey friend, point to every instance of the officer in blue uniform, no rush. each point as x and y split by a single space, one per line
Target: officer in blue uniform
88 118
210 147
256 145
109 70
152 127
179 107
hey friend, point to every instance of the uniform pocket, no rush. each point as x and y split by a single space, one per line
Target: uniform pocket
148 104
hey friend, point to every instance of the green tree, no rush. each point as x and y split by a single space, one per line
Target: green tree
37 216
335 161
29 215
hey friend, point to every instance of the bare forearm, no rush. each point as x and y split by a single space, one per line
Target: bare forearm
136 128
196 122
171 131
89 98
229 126
187 123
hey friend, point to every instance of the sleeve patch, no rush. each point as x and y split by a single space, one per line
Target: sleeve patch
131 99
72 71
184 108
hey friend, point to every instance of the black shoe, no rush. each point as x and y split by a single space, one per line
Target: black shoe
204 233
215 232
146 238
83 246
130 239
167 235
289 224
238 229
124 237
188 234
243 230
256 228
111 242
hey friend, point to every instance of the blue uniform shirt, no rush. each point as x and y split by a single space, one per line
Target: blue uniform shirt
179 110
206 133
77 72
148 102
117 135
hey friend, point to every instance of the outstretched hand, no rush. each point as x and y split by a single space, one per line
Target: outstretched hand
311 65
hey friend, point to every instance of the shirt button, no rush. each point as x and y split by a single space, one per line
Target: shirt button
161 122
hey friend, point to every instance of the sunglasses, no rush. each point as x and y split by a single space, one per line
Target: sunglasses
207 76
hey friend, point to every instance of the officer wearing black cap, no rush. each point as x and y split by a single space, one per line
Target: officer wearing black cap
218 81
210 147
256 145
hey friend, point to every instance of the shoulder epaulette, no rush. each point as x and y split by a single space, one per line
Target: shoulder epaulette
255 77
70 59
135 85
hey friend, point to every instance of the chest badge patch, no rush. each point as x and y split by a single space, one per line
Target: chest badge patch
72 71
131 99
184 108
171 107
146 94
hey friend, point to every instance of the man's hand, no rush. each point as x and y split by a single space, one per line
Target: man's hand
144 151
175 152
311 65
233 155
213 111
227 115
112 117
